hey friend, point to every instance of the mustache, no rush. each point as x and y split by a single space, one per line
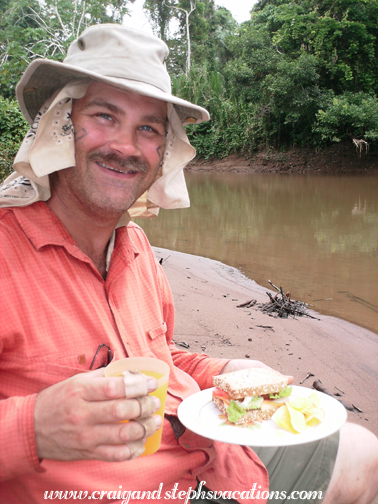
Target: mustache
129 163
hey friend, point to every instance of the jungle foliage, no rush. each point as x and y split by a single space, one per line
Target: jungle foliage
298 73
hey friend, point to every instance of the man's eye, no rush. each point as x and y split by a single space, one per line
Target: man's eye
104 116
156 130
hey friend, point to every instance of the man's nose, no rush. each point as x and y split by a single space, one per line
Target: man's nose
125 142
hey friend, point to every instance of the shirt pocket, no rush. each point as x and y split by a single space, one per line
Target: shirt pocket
157 336
156 344
37 373
68 364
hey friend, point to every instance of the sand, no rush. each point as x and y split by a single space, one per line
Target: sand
343 356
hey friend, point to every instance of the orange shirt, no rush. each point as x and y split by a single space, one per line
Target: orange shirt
56 311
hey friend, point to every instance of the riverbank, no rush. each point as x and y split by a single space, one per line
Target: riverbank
344 158
341 355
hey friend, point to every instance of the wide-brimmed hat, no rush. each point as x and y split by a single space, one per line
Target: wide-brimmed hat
114 54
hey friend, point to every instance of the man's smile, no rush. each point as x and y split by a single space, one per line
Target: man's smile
107 167
111 161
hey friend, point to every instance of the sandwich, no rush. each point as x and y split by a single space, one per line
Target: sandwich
248 395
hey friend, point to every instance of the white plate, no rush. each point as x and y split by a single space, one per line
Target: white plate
199 414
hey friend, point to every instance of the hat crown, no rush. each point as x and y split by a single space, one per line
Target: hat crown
123 53
114 54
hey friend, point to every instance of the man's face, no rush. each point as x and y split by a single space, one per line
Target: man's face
119 143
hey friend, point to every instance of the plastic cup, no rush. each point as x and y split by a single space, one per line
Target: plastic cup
150 367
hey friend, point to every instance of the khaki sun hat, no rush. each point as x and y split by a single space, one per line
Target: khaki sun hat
114 54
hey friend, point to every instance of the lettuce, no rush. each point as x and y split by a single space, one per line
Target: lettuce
252 402
237 409
284 393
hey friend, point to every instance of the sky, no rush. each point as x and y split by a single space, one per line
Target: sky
239 9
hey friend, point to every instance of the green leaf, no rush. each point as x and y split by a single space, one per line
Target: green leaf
284 393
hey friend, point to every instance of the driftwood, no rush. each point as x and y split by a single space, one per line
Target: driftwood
182 343
161 260
317 385
248 304
361 145
266 327
308 375
282 305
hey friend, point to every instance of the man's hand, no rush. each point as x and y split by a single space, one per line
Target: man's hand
236 364
80 418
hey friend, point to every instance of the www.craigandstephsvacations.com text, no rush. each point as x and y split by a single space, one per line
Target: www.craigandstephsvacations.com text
185 496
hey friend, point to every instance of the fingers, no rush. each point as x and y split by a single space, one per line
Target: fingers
119 434
118 410
138 404
120 453
149 425
83 417
136 449
130 385
148 405
109 443
126 433
135 384
237 364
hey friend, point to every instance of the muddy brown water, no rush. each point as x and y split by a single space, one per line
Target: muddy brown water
316 236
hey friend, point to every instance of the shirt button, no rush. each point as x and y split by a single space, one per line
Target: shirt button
187 445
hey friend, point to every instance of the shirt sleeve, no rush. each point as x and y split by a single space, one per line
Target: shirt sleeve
201 367
18 454
18 449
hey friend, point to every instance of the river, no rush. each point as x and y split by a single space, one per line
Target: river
316 235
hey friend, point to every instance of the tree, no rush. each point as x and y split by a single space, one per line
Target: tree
187 13
160 15
342 34
350 116
217 50
32 29
202 32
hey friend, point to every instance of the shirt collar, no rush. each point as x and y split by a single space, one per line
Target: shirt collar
43 227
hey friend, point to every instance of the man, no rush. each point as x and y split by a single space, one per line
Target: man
81 286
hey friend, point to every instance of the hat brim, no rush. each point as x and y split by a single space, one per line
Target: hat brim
44 77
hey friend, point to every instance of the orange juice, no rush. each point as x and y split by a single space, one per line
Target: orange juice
153 442
150 367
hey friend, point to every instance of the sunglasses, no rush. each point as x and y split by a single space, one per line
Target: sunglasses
99 353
